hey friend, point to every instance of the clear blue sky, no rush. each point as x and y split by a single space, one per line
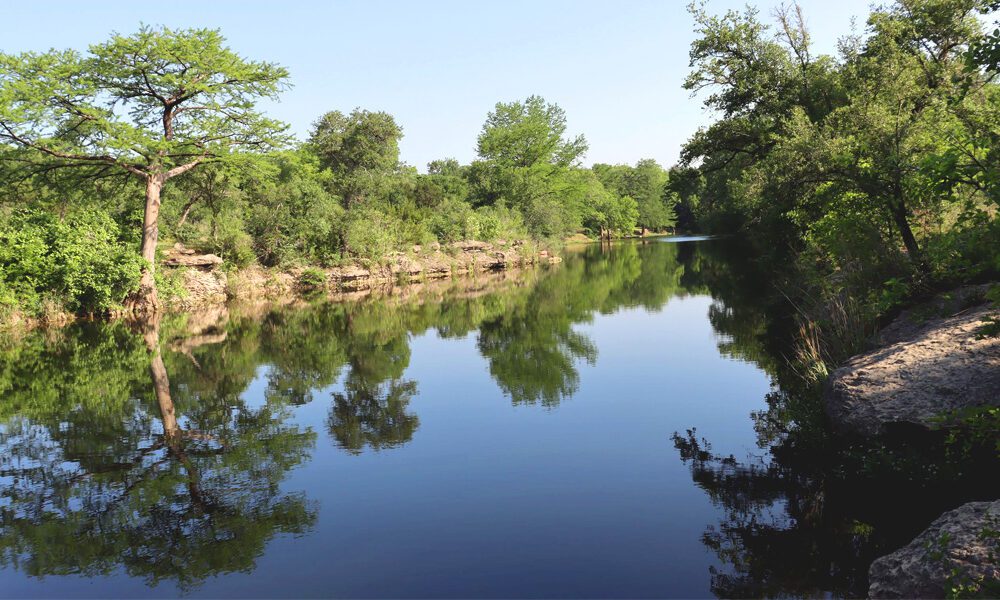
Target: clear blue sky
616 67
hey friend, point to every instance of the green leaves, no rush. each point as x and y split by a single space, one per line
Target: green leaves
524 134
147 102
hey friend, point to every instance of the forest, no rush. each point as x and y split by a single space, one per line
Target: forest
838 198
154 139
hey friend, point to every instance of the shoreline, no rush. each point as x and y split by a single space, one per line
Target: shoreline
205 285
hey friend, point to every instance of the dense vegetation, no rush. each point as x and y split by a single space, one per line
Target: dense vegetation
876 169
170 117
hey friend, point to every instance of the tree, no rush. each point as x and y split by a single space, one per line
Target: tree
645 183
529 164
156 104
524 134
361 149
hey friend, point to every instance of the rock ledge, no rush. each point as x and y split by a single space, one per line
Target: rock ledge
926 370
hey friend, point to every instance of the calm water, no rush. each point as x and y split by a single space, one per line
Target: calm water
497 437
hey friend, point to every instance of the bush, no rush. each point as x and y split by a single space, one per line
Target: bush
496 222
79 261
454 220
548 218
312 279
233 243
370 233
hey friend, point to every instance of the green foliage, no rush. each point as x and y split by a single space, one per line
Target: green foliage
646 183
311 279
360 149
455 220
78 260
370 233
876 169
499 222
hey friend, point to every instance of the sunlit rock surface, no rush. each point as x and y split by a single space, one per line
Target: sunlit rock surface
926 369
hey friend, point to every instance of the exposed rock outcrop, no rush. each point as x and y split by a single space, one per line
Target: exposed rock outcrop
960 548
206 286
925 370
433 262
179 256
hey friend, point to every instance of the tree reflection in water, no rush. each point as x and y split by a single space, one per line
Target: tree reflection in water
119 452
92 483
809 516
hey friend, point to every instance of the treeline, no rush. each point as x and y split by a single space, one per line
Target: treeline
877 168
170 116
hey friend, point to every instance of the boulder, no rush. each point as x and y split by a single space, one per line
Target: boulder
203 287
960 548
351 273
406 266
931 368
200 261
182 256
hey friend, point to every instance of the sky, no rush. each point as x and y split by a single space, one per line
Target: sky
439 67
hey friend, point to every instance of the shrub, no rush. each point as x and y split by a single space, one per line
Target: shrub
233 243
547 218
370 233
454 220
496 222
312 280
78 260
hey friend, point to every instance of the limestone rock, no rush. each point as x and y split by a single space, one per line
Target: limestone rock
957 549
181 256
472 246
351 273
202 288
203 261
932 368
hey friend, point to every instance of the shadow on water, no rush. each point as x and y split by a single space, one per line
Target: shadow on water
138 448
809 515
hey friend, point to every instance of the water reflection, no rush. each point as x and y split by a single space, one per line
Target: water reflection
101 470
146 448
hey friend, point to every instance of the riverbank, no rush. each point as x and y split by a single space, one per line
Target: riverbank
934 370
931 363
201 281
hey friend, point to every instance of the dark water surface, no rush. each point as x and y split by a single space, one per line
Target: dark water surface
504 436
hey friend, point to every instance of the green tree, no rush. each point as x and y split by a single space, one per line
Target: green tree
528 163
156 104
646 184
361 149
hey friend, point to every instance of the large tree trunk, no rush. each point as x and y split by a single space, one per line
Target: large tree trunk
146 300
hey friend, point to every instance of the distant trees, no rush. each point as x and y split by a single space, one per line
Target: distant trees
155 104
81 136
646 183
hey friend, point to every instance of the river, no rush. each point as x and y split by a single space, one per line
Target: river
595 428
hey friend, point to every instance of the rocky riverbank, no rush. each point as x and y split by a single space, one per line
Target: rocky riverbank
930 362
205 283
956 556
